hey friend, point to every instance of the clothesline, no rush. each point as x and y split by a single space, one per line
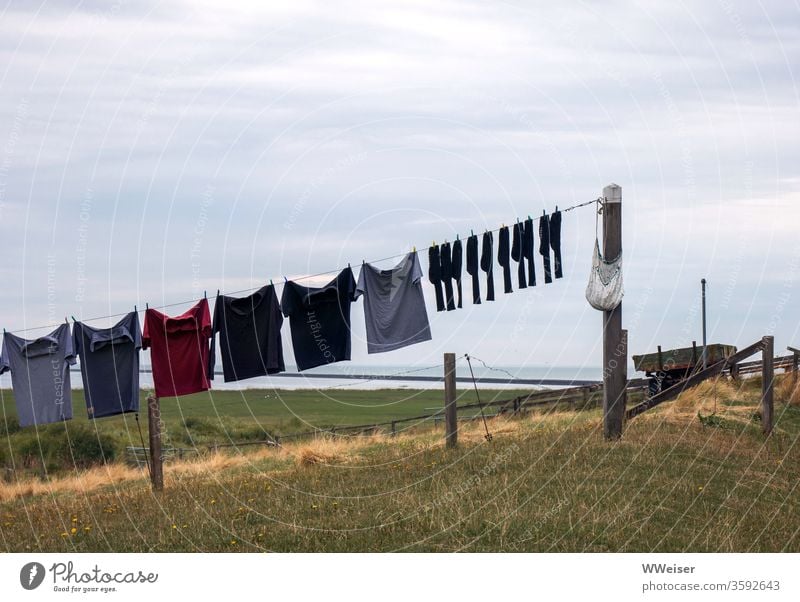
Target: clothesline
254 288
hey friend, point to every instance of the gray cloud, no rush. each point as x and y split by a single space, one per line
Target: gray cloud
304 136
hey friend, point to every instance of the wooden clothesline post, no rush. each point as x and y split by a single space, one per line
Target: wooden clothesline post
450 410
795 362
615 352
154 427
767 383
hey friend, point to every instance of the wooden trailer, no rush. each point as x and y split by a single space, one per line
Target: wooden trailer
665 368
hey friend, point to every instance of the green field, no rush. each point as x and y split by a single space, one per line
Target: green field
695 474
213 417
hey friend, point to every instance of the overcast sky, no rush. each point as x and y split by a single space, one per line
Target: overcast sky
153 150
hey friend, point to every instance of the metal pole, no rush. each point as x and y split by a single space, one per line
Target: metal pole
705 342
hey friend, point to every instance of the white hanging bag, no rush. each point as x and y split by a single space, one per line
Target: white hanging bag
604 290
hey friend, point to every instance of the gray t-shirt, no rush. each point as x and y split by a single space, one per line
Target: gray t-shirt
40 375
394 307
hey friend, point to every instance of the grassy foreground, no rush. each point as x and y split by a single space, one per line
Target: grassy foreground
207 419
681 479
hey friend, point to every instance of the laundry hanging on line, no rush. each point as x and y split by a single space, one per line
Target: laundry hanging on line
473 268
320 320
446 262
109 360
394 305
487 263
544 247
504 258
249 331
40 375
435 275
183 351
555 242
528 251
458 262
179 349
518 254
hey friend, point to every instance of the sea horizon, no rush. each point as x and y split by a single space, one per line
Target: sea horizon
307 380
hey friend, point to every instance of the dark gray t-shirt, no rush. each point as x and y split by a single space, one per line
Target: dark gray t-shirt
394 307
40 375
110 365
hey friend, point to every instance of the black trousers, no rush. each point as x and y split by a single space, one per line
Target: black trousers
504 259
473 267
555 243
487 263
435 275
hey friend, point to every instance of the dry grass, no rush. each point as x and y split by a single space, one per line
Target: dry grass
721 395
547 482
84 481
787 389
323 450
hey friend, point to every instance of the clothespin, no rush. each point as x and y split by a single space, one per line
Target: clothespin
136 311
529 217
285 279
363 262
217 292
556 207
471 233
147 306
205 296
544 212
433 243
73 318
348 265
270 282
65 320
414 249
456 236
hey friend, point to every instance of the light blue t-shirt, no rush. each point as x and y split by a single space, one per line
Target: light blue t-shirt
40 375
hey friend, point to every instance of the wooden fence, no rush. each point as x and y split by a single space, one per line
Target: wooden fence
734 364
584 395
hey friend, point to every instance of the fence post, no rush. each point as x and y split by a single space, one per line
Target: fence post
154 426
795 358
614 349
767 385
450 410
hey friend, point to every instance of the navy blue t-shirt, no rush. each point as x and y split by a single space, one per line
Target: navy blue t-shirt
249 335
320 320
109 360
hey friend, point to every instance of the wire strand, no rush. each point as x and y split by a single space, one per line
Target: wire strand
488 435
488 367
254 288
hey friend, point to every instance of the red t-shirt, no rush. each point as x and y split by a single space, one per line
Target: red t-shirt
179 350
